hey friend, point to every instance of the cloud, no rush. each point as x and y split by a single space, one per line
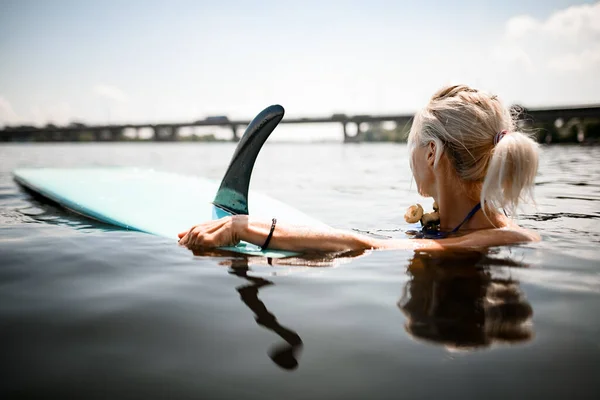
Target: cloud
513 55
8 116
520 26
58 113
110 92
581 22
567 41
575 23
576 62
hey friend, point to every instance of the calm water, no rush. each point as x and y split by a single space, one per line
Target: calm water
93 312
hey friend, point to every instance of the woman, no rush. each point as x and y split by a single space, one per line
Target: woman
465 152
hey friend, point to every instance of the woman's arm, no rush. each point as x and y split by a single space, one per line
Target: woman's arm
229 231
298 238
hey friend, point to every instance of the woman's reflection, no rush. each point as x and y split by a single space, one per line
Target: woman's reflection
459 300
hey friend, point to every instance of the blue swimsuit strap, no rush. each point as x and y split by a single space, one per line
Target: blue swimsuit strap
468 217
441 235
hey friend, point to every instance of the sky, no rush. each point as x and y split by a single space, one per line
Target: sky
110 61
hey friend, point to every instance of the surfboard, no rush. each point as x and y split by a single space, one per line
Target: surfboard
165 204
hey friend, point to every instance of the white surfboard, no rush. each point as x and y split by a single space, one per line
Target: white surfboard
165 204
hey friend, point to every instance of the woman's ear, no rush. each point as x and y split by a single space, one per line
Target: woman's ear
431 154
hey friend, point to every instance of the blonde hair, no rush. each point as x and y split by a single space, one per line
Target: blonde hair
464 123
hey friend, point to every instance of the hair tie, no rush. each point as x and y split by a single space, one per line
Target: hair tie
266 244
499 136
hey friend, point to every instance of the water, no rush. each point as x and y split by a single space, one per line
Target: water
95 312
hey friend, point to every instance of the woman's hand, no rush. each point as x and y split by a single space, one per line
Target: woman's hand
218 233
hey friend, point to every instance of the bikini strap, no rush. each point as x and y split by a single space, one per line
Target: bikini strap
468 217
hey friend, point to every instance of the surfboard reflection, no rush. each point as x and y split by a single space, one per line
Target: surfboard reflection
285 355
462 301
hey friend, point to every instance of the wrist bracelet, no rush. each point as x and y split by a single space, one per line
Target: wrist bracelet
273 223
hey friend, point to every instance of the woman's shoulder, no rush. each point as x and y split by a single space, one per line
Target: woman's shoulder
510 234
503 236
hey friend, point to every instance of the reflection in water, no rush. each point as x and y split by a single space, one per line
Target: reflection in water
459 300
284 355
456 299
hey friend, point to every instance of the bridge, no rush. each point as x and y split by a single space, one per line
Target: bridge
559 117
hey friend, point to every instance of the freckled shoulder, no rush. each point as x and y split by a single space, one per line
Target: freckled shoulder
498 237
478 239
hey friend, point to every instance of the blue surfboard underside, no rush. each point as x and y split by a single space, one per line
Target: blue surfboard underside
149 201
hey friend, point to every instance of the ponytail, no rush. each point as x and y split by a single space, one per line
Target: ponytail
511 172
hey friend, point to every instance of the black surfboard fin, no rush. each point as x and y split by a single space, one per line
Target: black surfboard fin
232 195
